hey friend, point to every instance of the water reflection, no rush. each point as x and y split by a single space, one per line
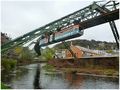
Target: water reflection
36 82
25 80
90 82
75 81
53 81
8 77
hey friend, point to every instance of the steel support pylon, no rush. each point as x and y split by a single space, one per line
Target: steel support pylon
115 32
68 47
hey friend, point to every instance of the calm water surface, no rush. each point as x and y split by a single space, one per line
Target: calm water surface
25 80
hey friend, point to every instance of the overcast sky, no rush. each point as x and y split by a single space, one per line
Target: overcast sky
20 17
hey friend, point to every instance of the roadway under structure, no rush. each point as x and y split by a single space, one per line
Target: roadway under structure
89 16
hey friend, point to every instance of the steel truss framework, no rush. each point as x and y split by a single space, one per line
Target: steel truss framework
106 12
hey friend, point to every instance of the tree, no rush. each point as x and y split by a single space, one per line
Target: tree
48 53
18 49
26 54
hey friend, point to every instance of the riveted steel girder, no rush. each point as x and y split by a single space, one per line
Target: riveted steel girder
86 14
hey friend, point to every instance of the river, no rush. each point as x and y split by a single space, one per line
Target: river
25 80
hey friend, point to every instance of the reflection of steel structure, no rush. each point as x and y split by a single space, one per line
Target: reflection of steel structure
89 16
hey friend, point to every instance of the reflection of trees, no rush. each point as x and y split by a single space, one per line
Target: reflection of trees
5 77
21 72
15 75
74 80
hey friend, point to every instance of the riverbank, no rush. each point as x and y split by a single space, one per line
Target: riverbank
57 79
101 72
95 67
93 72
31 62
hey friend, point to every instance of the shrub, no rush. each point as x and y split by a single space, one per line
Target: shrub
26 54
8 64
109 72
48 54
109 51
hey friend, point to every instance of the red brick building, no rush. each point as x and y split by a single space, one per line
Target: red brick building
77 50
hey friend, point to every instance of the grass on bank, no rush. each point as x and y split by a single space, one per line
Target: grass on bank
108 72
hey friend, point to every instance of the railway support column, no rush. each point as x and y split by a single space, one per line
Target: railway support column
115 32
104 10
67 46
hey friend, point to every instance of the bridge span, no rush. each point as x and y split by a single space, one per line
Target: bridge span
87 17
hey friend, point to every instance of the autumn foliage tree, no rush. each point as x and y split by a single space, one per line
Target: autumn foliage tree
48 53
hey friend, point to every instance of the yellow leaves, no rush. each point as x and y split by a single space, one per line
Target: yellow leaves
18 50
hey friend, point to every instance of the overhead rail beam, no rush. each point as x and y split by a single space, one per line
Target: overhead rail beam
85 16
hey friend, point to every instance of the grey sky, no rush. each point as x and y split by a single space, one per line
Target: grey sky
20 17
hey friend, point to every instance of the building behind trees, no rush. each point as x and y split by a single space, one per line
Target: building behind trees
4 38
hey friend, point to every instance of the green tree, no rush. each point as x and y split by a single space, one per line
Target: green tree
26 54
48 53
8 64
